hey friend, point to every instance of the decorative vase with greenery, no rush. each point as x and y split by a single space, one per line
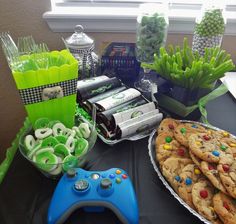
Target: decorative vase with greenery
188 78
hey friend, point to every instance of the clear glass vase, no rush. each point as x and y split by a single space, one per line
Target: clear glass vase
210 26
152 25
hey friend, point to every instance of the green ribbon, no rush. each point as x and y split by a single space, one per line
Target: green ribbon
182 110
10 153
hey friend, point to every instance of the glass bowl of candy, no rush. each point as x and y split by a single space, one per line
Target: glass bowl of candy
54 149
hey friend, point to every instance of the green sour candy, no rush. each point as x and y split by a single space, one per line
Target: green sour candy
33 151
70 143
58 129
61 150
61 139
29 142
69 162
46 161
81 147
58 169
41 123
43 133
84 130
50 142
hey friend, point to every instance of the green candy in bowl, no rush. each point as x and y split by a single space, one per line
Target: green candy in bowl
54 148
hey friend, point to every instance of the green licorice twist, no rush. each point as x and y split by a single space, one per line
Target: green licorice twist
212 24
188 69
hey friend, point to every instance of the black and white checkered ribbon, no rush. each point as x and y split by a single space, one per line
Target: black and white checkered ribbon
87 55
34 95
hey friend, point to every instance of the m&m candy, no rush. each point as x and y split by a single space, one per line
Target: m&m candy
198 143
225 134
204 194
210 167
225 167
177 178
183 130
168 139
167 147
171 126
223 147
197 171
180 152
232 145
206 137
188 181
215 153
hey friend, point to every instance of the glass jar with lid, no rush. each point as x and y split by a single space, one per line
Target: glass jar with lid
82 48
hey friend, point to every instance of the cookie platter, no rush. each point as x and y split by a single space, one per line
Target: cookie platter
169 186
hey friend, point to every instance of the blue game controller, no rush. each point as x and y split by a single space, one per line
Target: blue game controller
94 191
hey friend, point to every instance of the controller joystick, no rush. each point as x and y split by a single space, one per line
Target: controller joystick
88 189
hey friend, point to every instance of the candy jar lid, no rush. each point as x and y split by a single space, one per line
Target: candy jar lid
79 40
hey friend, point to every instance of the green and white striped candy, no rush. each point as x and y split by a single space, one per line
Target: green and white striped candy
81 147
69 162
61 150
29 142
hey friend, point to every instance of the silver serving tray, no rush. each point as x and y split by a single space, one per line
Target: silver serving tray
115 141
152 154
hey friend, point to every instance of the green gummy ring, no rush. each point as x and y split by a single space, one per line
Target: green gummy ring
41 123
84 129
81 147
70 143
42 150
69 162
42 133
68 132
29 142
33 151
58 129
58 169
61 150
61 139
46 161
49 142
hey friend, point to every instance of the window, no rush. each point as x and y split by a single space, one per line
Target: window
120 15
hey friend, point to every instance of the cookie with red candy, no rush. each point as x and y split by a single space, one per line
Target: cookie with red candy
225 207
167 125
202 196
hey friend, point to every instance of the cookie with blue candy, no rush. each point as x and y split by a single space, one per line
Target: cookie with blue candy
207 148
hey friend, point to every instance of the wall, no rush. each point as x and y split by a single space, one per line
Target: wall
24 18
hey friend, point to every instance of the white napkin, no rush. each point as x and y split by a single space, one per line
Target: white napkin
230 82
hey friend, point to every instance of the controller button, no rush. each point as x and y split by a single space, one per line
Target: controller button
118 180
105 183
95 176
112 175
118 172
71 173
81 185
124 176
104 175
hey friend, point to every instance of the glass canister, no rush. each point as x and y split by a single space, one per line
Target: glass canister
152 25
82 48
210 26
151 34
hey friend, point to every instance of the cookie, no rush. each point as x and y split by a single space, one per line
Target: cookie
202 196
195 159
184 130
172 149
164 137
227 172
167 125
207 148
231 143
225 208
211 172
172 168
189 175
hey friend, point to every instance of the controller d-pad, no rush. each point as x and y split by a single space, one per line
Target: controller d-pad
81 185
105 183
